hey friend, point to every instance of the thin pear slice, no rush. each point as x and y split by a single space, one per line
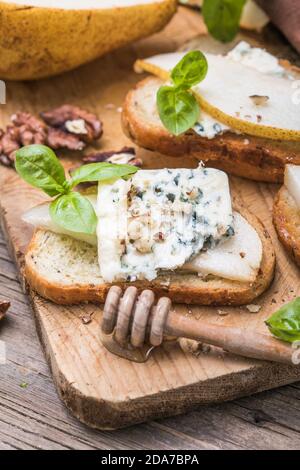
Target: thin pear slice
239 96
253 17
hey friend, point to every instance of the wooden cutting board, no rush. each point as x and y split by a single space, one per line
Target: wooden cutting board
102 390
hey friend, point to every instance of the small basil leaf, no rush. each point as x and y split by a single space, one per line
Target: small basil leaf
39 166
74 212
285 323
191 70
222 18
100 172
178 109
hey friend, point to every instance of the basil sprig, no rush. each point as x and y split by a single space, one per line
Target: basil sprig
177 107
222 18
285 323
39 166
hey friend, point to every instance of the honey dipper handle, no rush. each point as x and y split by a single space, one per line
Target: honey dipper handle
243 342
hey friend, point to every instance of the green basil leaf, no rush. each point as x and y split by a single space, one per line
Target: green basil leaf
178 109
100 172
39 166
191 70
285 323
222 18
74 212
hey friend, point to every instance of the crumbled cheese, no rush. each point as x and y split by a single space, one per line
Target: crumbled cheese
258 59
253 308
222 313
192 346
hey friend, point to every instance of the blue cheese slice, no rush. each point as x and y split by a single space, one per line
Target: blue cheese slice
160 219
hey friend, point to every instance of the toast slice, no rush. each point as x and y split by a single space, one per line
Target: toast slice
286 216
66 271
243 155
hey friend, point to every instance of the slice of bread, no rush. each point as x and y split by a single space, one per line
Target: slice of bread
66 271
251 157
286 216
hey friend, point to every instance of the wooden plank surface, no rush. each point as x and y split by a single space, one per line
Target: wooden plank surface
88 378
35 418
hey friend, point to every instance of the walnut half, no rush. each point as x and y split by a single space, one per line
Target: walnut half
75 121
67 127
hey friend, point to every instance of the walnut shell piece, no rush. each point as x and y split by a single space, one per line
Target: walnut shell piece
126 155
25 129
31 130
67 127
4 306
76 121
58 139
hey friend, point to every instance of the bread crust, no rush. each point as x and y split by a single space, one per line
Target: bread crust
188 289
286 217
255 158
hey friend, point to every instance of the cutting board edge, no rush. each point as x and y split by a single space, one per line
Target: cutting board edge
97 413
106 415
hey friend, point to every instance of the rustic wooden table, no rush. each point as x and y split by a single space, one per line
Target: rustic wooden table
33 417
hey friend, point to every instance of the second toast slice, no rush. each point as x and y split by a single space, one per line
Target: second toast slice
256 158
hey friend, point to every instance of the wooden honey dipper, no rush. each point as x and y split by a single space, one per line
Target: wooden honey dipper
132 326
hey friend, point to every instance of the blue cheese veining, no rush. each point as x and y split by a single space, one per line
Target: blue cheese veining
159 220
209 127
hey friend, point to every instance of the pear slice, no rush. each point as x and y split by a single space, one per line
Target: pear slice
230 93
292 182
253 17
41 38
